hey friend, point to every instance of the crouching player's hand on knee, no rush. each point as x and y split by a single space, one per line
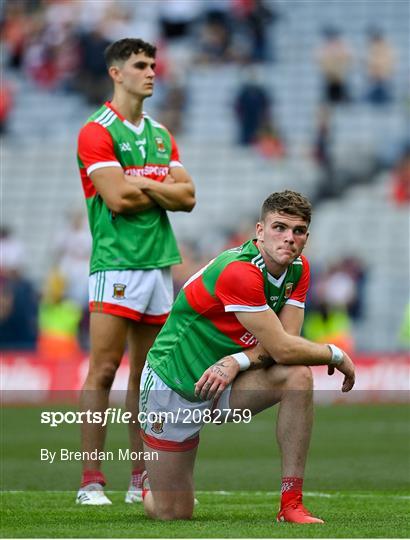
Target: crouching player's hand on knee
216 378
343 363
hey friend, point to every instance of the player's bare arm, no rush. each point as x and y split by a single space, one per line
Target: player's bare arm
294 350
175 193
217 377
292 318
120 196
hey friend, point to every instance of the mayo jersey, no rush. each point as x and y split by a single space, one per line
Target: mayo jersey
141 240
202 326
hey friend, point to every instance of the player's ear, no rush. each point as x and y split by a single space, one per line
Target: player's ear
259 230
115 73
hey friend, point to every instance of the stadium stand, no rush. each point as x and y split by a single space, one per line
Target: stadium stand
40 180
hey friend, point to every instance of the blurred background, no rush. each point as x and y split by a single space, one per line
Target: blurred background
261 95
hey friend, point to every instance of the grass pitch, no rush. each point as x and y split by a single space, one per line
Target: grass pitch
357 480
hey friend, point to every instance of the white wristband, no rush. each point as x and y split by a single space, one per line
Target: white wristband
242 360
337 354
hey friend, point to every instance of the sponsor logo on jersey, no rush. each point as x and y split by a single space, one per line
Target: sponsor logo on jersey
160 144
288 289
158 426
248 339
125 147
119 291
148 170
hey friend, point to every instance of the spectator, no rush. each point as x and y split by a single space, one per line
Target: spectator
252 106
18 298
401 180
255 17
177 18
329 324
354 267
269 142
327 185
14 31
73 248
215 40
173 100
334 60
380 68
92 78
59 320
11 252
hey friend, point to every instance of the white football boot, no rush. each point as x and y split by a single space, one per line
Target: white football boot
93 495
134 494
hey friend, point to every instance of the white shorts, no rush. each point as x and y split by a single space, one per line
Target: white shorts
172 423
142 295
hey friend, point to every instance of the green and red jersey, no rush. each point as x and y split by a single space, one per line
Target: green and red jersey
142 240
202 326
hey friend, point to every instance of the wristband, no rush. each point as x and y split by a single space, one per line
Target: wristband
337 355
242 360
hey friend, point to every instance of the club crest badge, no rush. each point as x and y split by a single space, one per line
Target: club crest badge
119 291
160 144
288 289
158 426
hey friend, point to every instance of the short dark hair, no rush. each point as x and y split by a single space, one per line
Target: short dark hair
122 49
288 202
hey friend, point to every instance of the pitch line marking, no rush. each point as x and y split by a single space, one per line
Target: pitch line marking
231 493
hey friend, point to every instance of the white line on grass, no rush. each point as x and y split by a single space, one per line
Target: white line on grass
306 493
257 493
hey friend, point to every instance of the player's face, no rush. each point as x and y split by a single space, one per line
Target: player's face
137 74
281 239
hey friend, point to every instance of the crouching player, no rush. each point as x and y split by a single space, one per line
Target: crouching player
249 298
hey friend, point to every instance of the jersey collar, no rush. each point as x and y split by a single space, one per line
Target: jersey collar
136 129
277 282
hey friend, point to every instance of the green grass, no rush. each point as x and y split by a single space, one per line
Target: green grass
357 480
234 515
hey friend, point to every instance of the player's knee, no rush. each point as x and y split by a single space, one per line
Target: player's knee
173 515
174 510
299 378
103 374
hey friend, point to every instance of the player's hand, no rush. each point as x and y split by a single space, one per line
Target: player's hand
347 368
138 181
216 378
169 179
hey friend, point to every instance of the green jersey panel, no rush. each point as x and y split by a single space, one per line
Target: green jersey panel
202 326
141 240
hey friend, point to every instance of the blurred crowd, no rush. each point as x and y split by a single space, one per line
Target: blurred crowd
54 321
58 45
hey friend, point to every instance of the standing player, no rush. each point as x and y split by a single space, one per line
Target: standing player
131 174
248 298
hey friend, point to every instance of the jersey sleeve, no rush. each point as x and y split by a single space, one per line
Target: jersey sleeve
175 160
240 287
298 296
95 148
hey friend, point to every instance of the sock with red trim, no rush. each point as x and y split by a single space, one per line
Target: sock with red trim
145 484
291 489
92 477
136 477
